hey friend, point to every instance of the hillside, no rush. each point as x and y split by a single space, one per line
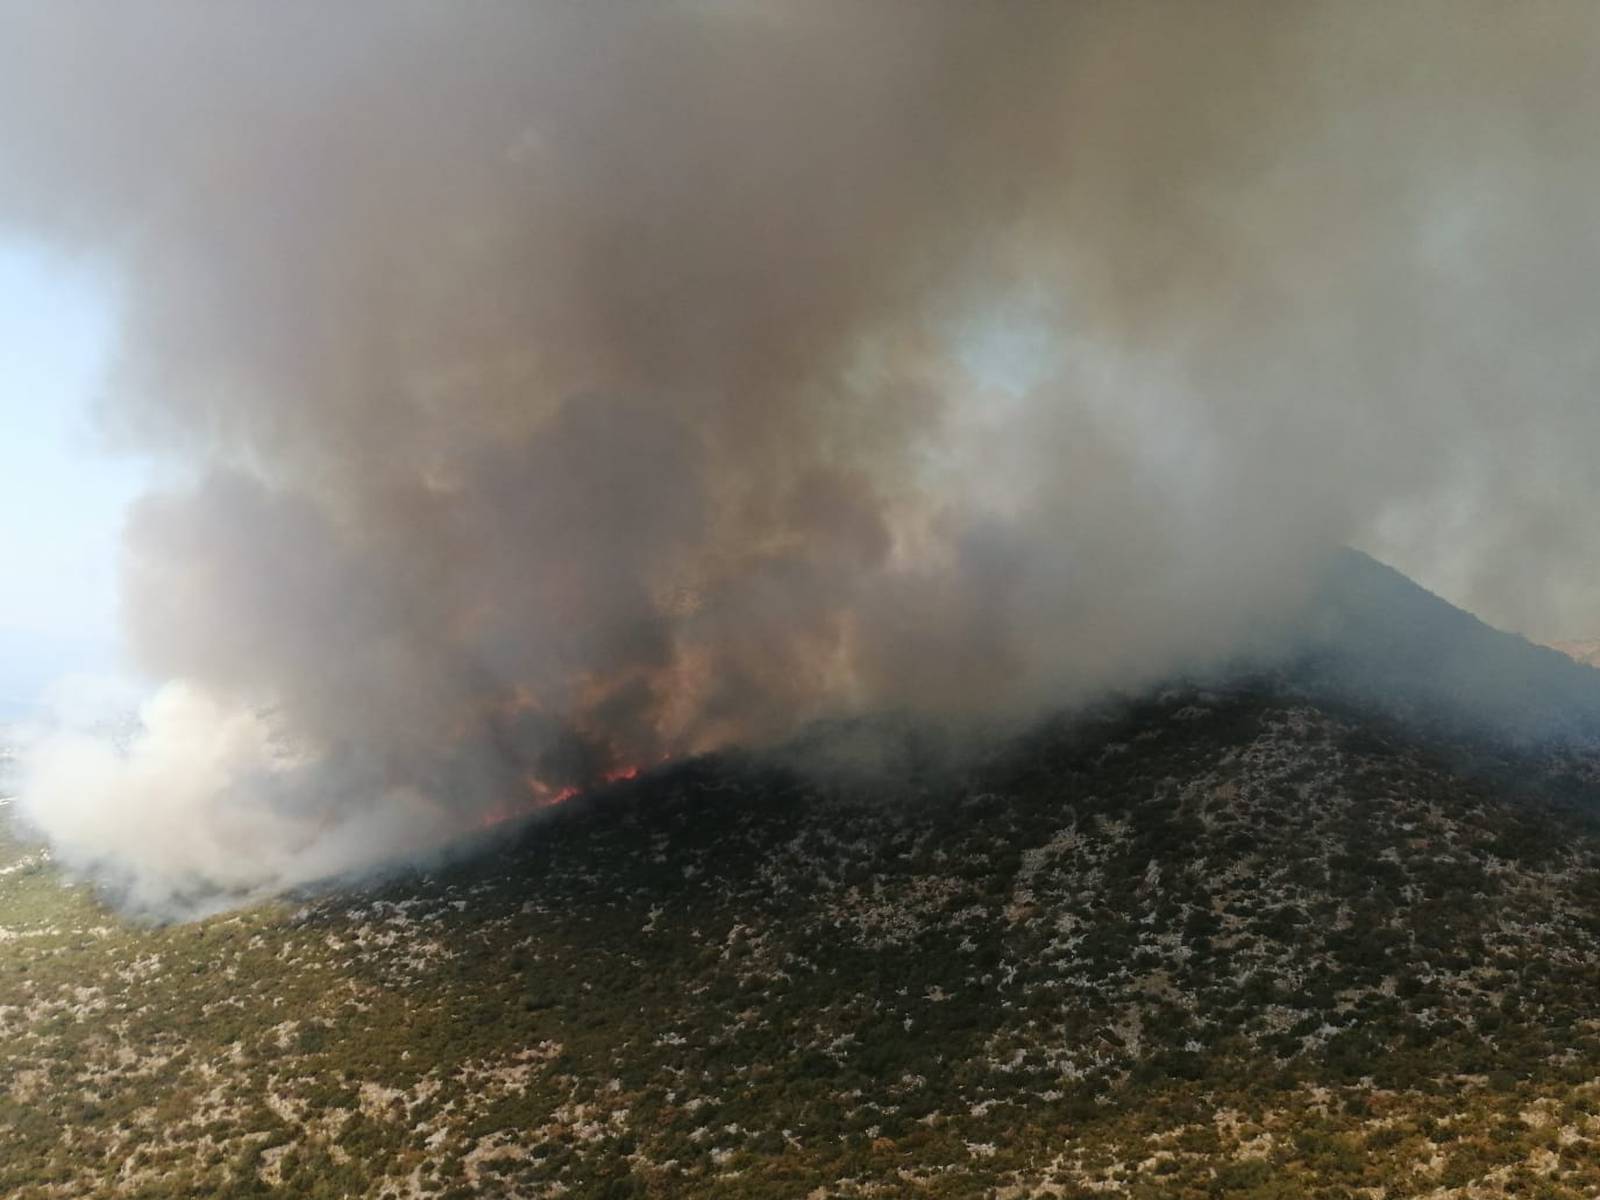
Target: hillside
1586 650
1222 943
1374 638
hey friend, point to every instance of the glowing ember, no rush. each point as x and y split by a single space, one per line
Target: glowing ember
542 795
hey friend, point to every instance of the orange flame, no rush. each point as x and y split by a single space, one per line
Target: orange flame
541 795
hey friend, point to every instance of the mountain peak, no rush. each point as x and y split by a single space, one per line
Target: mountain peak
1375 637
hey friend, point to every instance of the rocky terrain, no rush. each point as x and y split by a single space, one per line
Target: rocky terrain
1225 942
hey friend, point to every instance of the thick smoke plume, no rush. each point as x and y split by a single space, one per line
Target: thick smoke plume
548 389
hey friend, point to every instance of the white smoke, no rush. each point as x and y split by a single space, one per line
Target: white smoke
143 811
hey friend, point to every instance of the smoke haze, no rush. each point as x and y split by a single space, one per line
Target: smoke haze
548 389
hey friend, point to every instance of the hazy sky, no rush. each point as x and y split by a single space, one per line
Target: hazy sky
62 494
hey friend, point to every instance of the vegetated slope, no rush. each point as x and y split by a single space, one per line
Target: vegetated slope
1376 638
1584 650
1225 943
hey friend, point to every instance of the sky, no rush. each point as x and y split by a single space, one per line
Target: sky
63 493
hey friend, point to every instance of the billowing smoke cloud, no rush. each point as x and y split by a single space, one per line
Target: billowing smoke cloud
547 389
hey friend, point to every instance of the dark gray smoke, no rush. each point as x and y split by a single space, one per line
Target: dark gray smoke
552 388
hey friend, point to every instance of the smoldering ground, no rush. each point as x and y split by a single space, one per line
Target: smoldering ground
548 389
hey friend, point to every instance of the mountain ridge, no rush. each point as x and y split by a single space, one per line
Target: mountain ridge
1373 636
1581 650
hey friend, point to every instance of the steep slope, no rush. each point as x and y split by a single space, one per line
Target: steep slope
1585 651
1374 637
1225 943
